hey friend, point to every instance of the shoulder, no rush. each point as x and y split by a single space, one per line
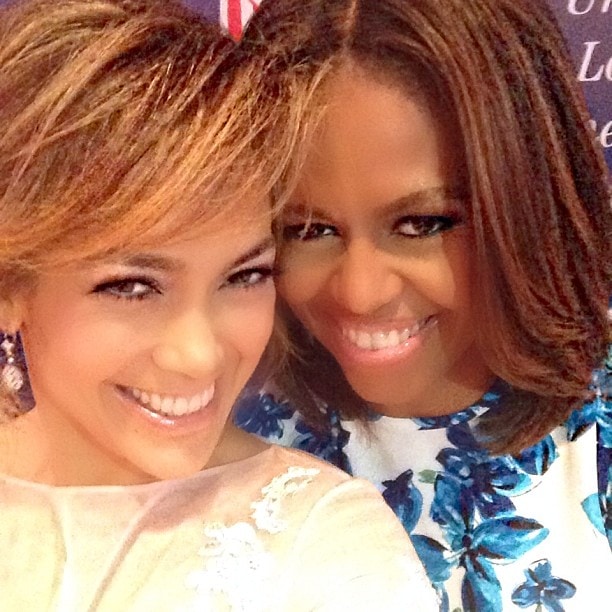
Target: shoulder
314 497
322 476
348 550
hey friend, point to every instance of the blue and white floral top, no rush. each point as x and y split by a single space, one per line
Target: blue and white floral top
531 532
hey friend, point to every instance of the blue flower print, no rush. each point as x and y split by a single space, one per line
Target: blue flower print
485 481
404 498
444 421
327 445
489 400
262 414
593 507
598 410
475 546
542 589
603 502
438 562
536 459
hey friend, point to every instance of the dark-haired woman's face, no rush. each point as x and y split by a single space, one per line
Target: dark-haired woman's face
377 252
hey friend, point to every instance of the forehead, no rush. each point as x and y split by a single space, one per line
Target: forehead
209 248
376 143
206 209
139 230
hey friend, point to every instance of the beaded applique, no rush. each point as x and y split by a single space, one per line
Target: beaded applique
236 561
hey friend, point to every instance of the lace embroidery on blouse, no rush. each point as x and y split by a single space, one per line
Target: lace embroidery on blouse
236 561
266 510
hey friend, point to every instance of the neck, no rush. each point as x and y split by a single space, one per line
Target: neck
27 453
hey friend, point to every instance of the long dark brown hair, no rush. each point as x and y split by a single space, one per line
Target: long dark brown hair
537 184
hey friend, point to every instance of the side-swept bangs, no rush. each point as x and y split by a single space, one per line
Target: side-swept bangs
123 123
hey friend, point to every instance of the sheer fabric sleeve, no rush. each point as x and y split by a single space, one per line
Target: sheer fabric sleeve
353 554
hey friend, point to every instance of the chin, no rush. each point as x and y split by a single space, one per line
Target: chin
379 397
390 401
172 469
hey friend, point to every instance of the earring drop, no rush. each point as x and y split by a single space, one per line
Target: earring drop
11 374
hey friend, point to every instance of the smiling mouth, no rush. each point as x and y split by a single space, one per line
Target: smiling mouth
381 340
170 405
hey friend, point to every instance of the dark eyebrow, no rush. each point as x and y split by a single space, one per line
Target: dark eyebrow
424 199
160 263
151 261
419 200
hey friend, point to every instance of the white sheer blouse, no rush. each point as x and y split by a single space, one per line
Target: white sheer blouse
279 531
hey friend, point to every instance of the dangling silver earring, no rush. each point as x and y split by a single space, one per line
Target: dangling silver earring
11 374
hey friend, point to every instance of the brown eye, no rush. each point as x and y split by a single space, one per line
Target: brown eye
308 231
422 226
250 277
128 288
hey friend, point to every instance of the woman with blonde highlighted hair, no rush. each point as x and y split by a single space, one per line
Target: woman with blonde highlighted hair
445 281
138 150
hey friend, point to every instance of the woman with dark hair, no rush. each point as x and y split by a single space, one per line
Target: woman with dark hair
137 154
446 274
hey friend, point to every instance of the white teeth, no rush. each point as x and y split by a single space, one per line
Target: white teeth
169 405
404 335
194 403
379 340
181 406
166 404
364 340
155 402
206 396
383 340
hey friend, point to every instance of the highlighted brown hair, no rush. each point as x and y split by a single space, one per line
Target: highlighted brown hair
123 118
537 185
125 122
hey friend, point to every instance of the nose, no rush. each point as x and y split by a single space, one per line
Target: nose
189 346
365 280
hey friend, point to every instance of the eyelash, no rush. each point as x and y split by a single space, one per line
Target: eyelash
117 287
243 278
113 288
430 225
304 232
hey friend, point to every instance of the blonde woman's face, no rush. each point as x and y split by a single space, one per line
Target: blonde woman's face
135 362
377 259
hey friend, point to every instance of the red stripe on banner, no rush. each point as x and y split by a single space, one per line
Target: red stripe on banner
234 18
